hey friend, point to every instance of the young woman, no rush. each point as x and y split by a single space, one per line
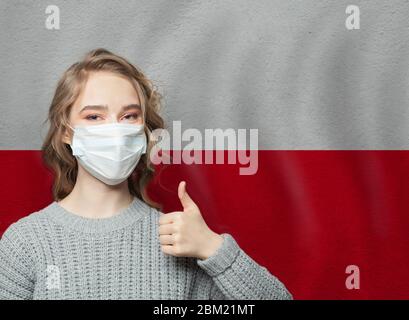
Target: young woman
102 237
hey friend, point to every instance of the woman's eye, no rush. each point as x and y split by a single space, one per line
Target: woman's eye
131 115
92 117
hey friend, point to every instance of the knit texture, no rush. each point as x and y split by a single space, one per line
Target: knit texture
56 254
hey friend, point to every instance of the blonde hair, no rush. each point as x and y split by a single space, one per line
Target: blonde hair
57 155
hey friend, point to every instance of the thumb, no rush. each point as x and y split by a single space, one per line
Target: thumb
184 197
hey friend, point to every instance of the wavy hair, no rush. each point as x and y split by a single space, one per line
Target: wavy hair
57 155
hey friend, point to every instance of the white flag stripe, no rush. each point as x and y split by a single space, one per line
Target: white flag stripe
291 69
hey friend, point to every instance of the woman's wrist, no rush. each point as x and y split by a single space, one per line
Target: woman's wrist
211 246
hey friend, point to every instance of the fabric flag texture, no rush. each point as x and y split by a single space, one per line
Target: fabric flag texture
330 105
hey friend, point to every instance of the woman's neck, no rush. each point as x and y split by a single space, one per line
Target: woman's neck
92 198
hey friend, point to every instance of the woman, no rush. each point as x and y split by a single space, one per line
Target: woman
102 237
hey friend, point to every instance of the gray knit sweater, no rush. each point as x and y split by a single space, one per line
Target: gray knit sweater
56 254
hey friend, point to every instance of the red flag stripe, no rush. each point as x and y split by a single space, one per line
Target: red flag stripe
305 215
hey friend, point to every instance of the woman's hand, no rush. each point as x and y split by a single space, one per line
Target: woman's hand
185 233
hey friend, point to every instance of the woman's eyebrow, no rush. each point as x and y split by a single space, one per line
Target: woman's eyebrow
105 107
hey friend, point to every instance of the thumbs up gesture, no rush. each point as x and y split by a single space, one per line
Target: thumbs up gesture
185 233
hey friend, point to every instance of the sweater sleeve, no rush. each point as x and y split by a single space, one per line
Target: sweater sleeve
237 276
16 276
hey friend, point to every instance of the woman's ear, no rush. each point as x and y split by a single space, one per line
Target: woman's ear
66 137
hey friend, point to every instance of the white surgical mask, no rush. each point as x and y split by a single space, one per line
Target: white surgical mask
110 152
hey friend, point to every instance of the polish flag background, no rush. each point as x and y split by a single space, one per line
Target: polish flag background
330 105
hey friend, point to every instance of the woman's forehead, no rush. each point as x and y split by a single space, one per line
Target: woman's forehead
107 89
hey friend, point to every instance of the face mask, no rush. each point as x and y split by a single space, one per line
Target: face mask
110 152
